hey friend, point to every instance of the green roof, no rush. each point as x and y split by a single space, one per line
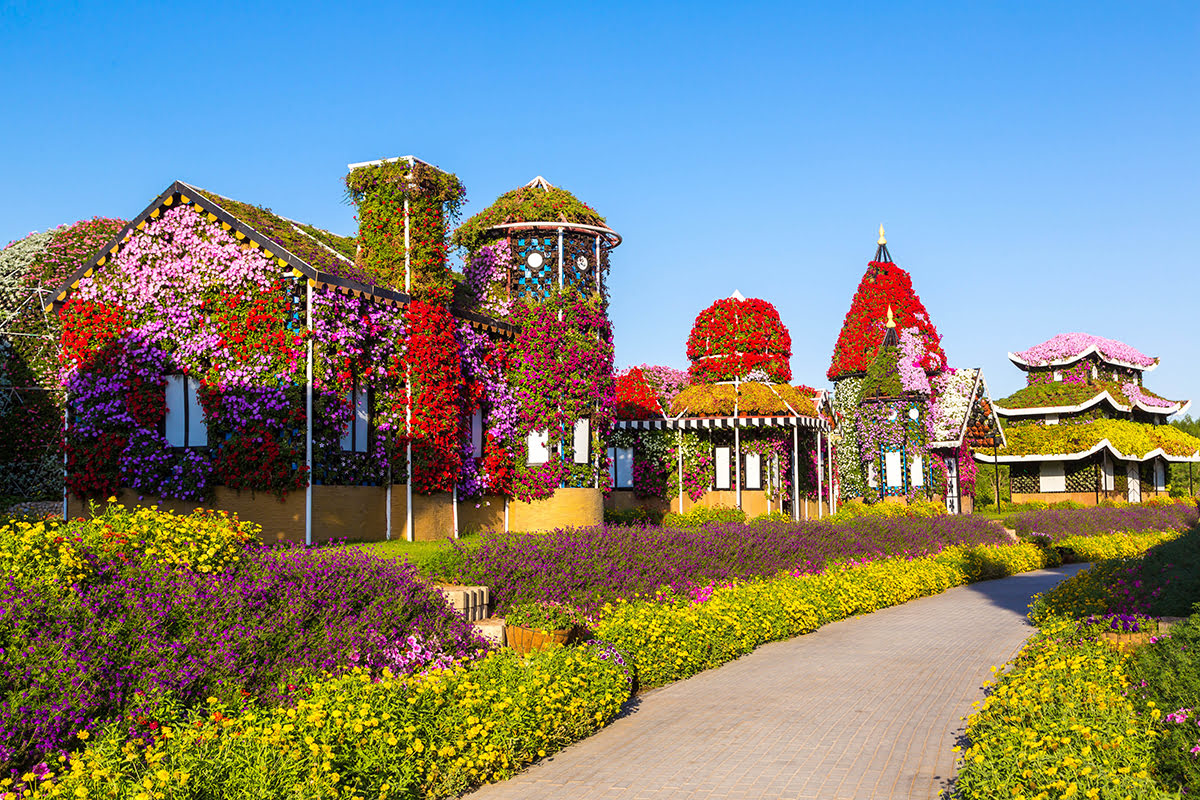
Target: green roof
1127 438
1052 394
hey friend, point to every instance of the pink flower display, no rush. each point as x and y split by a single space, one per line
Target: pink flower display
1136 395
1069 346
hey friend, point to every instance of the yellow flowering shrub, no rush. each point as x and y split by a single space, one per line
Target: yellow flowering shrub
432 735
1061 723
1115 545
55 555
918 507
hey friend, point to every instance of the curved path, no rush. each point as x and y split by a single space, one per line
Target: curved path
868 707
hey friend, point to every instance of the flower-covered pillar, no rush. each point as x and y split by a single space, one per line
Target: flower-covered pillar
404 205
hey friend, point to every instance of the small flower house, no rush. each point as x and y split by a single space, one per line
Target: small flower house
731 432
1085 427
906 422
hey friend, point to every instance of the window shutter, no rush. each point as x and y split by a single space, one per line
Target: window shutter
348 431
197 425
722 459
624 462
753 471
362 419
539 450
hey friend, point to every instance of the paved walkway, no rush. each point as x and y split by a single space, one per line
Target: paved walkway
868 707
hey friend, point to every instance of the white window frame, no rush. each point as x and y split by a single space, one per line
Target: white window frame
355 436
893 469
917 471
538 445
185 425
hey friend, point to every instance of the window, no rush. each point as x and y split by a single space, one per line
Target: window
620 467
185 424
1052 419
1058 375
918 471
722 457
354 435
477 433
539 447
753 471
1052 477
893 471
581 442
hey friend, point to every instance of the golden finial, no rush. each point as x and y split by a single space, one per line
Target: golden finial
882 238
891 319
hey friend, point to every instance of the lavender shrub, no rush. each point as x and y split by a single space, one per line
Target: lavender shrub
153 628
589 566
1059 523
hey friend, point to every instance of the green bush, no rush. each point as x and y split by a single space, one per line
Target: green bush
1168 672
702 515
639 515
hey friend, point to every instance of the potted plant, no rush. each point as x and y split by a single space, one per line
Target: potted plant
534 625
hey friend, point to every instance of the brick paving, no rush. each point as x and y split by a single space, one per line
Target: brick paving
868 707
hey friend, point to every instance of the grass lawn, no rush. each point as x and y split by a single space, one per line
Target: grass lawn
433 559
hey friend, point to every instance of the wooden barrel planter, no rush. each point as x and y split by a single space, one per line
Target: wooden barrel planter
528 640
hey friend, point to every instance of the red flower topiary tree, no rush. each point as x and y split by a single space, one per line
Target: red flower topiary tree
734 337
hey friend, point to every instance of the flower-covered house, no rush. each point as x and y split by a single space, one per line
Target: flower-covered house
215 353
906 422
731 432
1085 427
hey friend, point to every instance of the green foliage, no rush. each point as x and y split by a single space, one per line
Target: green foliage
526 204
1168 671
543 616
916 508
639 515
702 515
883 375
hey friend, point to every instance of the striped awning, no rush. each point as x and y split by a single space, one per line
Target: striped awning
695 423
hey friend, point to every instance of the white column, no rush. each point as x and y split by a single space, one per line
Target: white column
829 465
454 507
408 509
679 452
308 417
737 460
796 471
820 469
66 424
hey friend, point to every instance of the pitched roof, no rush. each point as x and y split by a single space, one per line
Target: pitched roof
862 332
309 252
1124 439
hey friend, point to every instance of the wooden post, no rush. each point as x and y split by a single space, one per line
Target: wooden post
1191 491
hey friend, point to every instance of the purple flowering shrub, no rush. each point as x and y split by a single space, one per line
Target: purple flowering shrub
145 626
586 567
1059 523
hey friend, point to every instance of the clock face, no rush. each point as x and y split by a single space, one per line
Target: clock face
581 263
913 413
535 259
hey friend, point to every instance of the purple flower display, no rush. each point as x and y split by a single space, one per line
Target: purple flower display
147 627
587 566
1058 523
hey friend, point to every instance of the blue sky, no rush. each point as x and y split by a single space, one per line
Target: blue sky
1036 164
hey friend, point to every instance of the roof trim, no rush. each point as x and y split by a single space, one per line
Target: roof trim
693 423
1103 444
612 236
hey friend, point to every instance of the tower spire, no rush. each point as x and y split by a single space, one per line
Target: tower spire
881 253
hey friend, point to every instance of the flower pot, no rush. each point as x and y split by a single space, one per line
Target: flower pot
528 640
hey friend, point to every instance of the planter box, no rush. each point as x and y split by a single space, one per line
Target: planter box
528 640
471 602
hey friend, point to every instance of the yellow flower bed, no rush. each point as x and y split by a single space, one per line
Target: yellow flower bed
1059 724
433 735
677 638
1117 545
53 555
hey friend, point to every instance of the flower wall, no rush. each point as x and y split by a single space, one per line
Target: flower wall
733 338
31 401
1069 345
560 365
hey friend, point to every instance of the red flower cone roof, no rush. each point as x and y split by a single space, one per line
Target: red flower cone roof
883 285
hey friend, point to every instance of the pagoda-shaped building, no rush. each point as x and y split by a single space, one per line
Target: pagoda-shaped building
905 421
1085 428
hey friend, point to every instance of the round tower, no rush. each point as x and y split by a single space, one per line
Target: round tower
540 239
